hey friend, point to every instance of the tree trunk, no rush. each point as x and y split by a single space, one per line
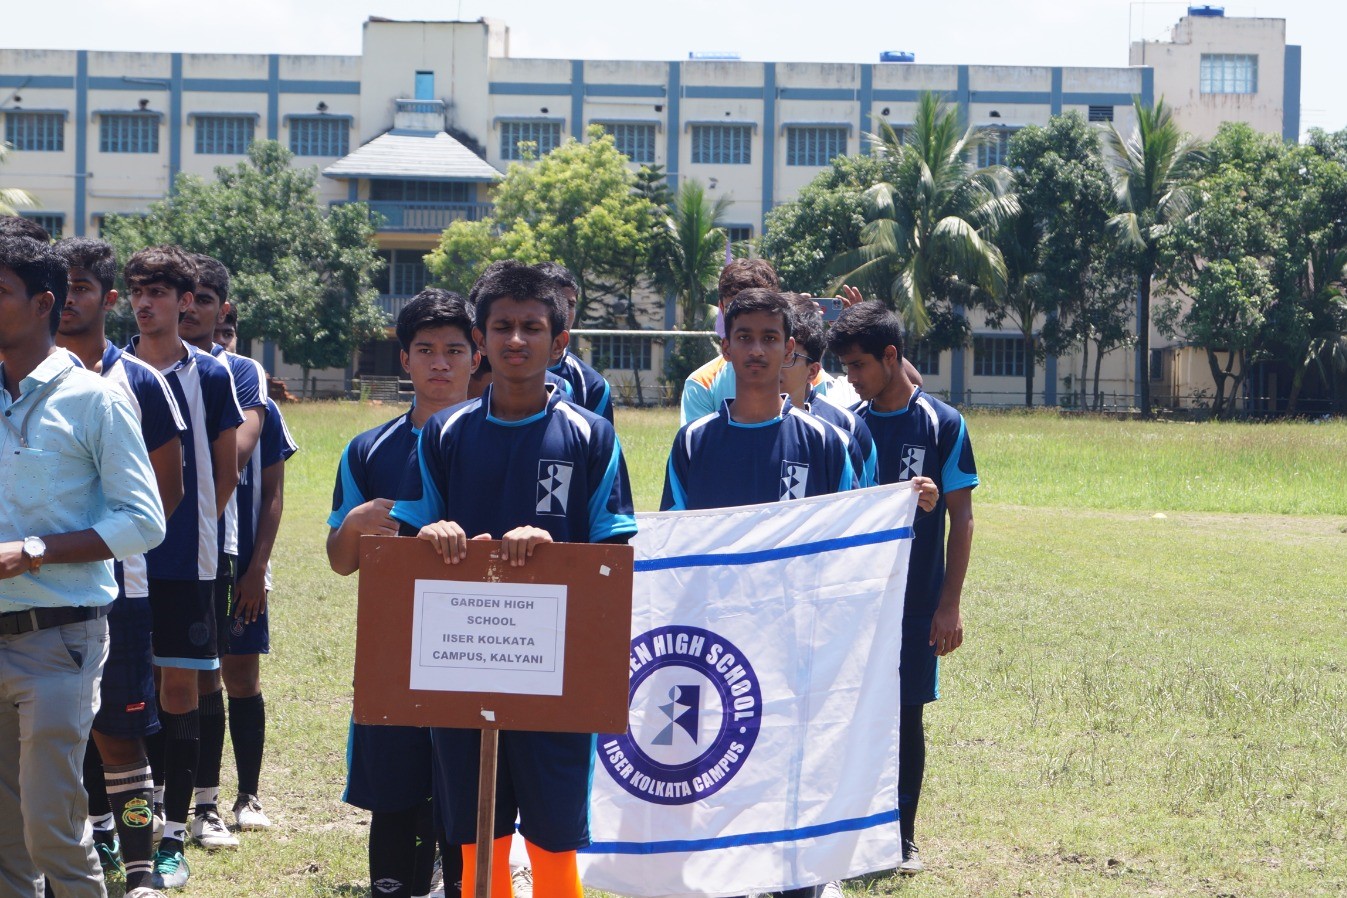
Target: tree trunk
1098 367
304 378
1144 336
1297 381
1029 370
1084 374
1218 377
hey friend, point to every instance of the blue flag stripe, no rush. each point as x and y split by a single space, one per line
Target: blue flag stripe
781 835
814 548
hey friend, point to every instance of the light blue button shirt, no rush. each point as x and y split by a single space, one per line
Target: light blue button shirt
72 458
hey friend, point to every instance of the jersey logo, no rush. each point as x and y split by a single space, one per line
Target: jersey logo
554 486
913 461
794 480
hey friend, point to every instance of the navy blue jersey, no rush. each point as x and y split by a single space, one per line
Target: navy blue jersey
584 385
204 391
274 447
249 377
561 470
926 439
160 421
717 463
373 466
864 456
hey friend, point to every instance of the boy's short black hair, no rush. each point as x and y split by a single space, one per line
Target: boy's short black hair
869 325
212 274
758 300
40 267
806 326
170 265
491 271
433 307
521 282
231 317
19 226
95 256
559 275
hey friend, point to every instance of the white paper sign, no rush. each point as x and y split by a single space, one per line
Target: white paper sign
488 637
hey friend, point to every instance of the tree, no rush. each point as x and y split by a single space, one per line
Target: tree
12 198
300 277
1022 298
930 226
1151 170
692 250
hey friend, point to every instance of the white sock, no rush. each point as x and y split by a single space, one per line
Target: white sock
103 822
174 830
209 796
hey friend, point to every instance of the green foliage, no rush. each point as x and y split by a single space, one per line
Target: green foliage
691 251
299 277
12 198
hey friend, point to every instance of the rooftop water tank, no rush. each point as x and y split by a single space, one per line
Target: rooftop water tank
897 56
1210 12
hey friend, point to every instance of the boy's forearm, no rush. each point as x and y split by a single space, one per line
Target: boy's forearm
958 549
268 520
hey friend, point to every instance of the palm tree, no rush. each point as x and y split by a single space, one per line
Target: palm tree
1151 171
929 226
1022 297
692 250
11 198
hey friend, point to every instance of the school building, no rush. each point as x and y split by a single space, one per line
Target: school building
428 116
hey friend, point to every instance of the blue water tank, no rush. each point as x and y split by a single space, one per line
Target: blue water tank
897 56
1210 12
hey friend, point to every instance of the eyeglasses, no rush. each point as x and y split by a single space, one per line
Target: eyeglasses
796 356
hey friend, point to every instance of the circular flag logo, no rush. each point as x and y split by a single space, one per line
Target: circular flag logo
695 706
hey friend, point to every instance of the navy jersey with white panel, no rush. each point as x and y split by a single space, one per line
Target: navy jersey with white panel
584 385
204 391
373 466
718 463
249 378
561 470
864 456
926 439
274 447
160 421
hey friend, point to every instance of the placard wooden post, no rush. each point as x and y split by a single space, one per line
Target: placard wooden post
486 646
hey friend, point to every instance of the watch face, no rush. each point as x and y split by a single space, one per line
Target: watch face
35 547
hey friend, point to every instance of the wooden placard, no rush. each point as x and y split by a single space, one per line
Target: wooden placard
593 699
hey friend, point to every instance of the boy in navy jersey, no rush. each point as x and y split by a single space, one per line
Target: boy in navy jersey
390 767
585 385
525 465
916 434
127 710
183 568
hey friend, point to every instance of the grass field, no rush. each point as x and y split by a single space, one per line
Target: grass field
1146 704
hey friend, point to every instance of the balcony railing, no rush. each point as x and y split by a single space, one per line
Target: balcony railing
420 107
423 218
392 304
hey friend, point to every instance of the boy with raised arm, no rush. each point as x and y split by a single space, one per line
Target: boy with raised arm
524 465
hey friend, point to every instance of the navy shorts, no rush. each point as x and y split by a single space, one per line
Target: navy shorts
225 573
387 767
246 637
919 669
184 623
127 707
543 779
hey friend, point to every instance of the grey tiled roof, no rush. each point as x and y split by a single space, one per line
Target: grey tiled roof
423 155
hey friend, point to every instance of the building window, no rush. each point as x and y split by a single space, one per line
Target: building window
130 132
224 135
722 144
1228 73
900 132
739 233
1157 364
51 222
995 146
404 273
420 191
998 356
635 140
425 85
320 136
545 137
1101 113
815 146
925 359
612 352
39 132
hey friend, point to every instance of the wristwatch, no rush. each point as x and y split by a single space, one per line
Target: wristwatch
35 549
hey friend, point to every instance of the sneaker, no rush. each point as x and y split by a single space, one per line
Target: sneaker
109 854
522 880
170 870
248 813
209 831
157 821
830 890
911 864
145 892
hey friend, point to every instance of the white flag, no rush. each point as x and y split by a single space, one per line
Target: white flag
762 747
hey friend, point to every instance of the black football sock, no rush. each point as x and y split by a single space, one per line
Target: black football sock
248 733
392 852
94 786
212 712
423 867
131 789
182 747
911 767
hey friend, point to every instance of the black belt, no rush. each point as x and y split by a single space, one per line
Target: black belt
15 622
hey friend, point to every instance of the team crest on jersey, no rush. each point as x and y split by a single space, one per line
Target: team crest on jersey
913 461
794 480
554 486
695 706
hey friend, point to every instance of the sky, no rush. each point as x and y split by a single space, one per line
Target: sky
977 32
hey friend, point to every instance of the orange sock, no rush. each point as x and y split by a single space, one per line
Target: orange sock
555 873
500 869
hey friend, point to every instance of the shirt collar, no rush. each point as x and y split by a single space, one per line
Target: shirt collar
180 363
50 368
110 356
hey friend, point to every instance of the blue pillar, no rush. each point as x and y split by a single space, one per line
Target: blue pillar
867 104
673 123
175 122
81 140
578 99
964 97
956 375
273 97
1291 95
1050 380
768 139
1056 101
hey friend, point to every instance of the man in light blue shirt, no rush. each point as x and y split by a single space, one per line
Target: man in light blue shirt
78 492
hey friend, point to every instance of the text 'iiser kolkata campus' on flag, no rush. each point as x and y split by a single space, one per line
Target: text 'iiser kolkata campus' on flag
762 748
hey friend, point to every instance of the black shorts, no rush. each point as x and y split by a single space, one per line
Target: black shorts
184 623
226 573
127 708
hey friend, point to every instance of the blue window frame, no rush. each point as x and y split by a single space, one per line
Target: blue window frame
545 136
223 135
614 352
128 132
722 144
36 132
995 147
635 140
425 86
815 145
1228 73
997 355
320 135
923 357
51 222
